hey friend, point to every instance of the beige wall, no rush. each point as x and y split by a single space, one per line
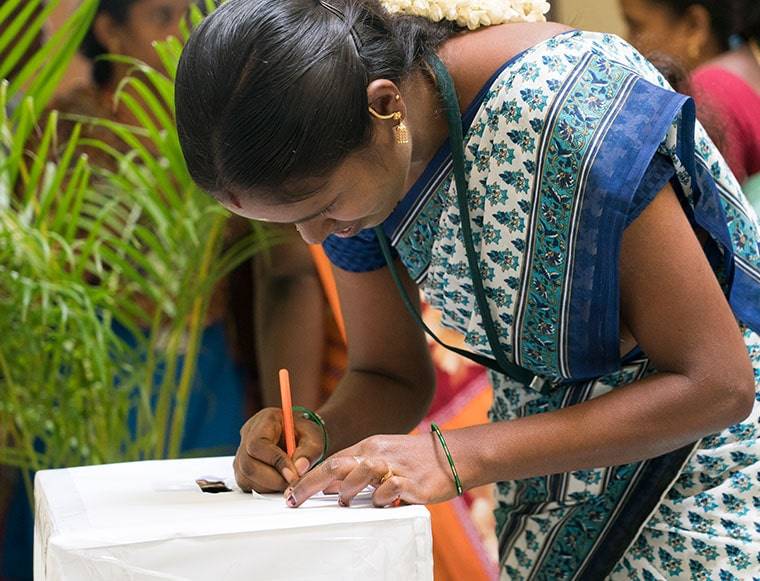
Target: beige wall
599 15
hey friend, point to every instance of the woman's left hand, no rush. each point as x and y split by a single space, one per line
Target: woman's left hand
403 469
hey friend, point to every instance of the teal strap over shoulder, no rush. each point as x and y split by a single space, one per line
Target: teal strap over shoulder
456 139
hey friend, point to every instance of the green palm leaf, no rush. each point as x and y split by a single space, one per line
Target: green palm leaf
106 273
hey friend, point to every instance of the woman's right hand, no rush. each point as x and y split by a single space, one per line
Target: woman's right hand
261 464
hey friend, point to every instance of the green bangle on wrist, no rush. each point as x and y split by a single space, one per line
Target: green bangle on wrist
313 416
457 482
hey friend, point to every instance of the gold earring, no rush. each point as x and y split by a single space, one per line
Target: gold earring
400 131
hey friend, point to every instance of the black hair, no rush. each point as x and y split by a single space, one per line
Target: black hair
270 92
748 19
102 70
722 21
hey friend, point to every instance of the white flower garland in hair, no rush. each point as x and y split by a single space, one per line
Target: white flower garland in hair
472 13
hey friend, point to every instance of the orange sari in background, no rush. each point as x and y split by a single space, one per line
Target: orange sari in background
464 542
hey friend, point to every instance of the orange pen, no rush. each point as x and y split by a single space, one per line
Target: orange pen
287 413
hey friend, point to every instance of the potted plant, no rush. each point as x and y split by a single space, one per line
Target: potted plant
87 252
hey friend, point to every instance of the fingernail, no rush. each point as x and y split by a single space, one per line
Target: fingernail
287 473
343 503
291 500
302 465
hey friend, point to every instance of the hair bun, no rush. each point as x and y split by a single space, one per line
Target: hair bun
472 14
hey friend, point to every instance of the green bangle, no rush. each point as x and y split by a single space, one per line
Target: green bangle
307 414
458 483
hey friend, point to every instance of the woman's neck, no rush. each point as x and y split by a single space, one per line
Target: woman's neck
424 117
742 63
471 59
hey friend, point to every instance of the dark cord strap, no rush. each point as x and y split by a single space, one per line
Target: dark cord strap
456 139
475 357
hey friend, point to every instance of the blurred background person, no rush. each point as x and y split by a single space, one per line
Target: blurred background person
749 30
715 41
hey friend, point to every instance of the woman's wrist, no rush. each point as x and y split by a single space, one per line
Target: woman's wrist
478 453
355 411
441 440
315 418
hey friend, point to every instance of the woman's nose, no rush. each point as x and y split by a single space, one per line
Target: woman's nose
315 231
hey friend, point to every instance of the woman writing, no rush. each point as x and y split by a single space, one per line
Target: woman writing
573 223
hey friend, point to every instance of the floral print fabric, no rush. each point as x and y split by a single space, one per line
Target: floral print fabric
561 148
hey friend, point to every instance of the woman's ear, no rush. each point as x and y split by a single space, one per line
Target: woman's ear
384 97
108 33
699 30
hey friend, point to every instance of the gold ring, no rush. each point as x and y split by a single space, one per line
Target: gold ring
386 476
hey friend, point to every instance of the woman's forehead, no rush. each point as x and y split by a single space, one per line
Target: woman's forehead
272 206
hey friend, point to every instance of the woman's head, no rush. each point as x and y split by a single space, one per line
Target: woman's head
272 108
691 31
129 27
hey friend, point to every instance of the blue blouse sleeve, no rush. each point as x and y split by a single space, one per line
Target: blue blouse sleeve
657 175
360 253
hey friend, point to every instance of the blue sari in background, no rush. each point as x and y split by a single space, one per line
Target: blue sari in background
565 146
215 412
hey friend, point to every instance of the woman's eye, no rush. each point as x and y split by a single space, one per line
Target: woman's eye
164 15
327 210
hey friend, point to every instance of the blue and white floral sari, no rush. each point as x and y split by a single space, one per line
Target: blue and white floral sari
565 146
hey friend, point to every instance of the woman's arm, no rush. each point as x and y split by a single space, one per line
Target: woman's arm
675 308
390 379
290 315
387 388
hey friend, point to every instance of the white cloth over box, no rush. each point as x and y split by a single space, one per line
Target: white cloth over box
150 520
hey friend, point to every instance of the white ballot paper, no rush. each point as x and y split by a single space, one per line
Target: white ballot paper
151 520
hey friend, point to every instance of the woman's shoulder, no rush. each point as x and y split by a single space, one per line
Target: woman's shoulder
474 57
738 64
726 92
541 50
715 78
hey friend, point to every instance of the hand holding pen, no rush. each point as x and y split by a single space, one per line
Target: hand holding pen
276 448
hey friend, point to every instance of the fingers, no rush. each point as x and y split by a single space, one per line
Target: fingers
251 474
334 488
333 469
242 480
261 464
396 490
261 439
367 472
310 444
353 474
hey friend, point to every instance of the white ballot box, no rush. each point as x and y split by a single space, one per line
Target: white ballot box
151 520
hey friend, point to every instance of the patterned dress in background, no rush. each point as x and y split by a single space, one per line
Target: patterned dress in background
565 146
